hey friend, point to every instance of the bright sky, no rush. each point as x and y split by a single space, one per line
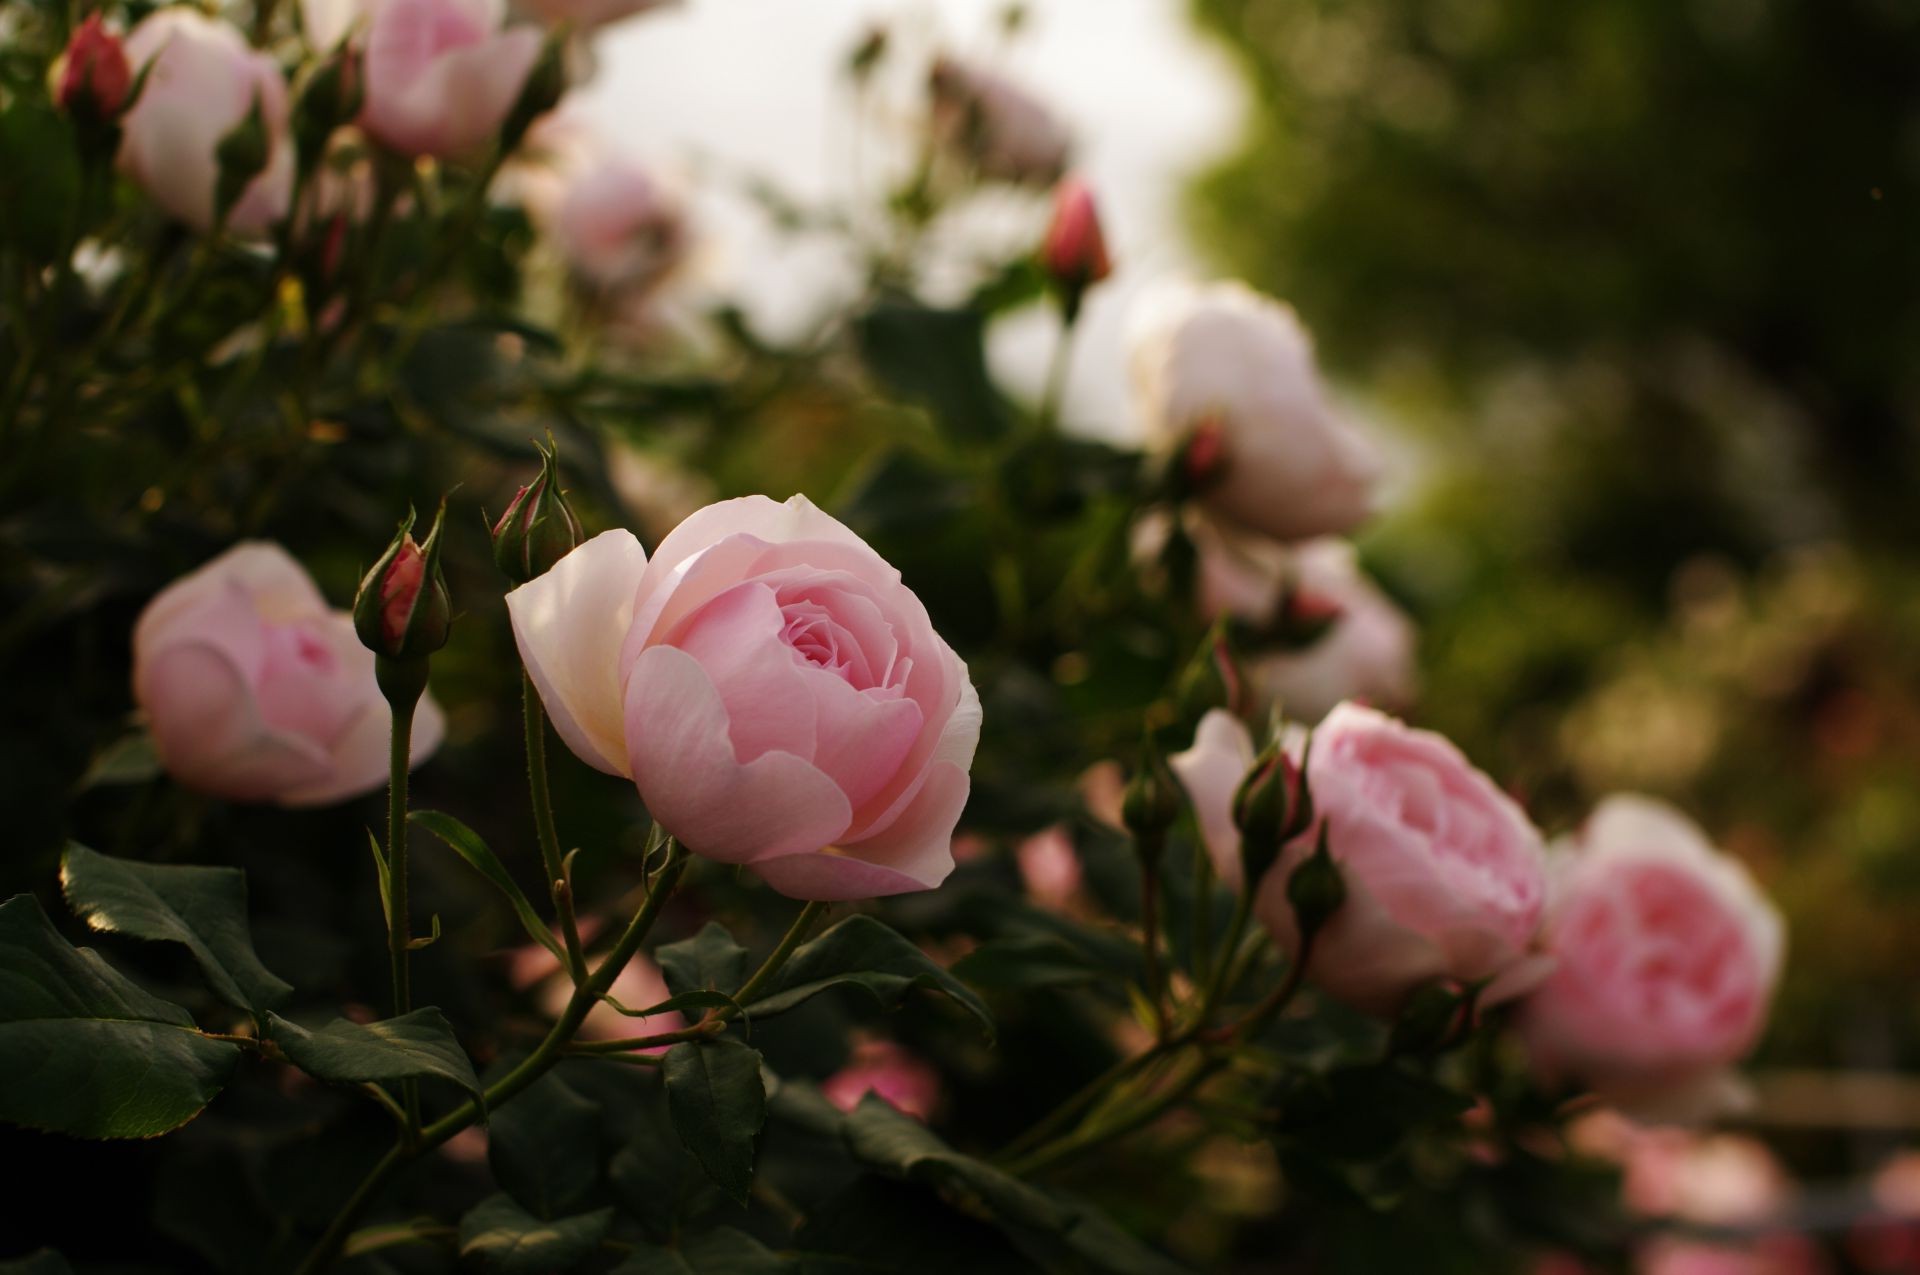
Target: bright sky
754 86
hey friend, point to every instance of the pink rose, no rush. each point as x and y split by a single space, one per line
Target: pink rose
902 1079
203 83
1005 132
1211 772
1666 958
775 692
1050 868
440 74
618 227
1365 654
638 986
1228 372
256 691
1445 875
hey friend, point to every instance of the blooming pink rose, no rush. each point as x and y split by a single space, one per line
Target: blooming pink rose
618 227
256 691
1234 370
203 82
1050 867
1445 875
441 75
776 693
902 1079
1666 955
1005 132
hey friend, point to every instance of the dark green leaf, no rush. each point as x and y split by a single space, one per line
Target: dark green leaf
544 1146
863 952
650 1178
512 1241
718 1103
37 140
1025 961
675 1004
466 843
709 961
43 1262
722 1251
83 1050
203 909
938 358
131 759
415 1046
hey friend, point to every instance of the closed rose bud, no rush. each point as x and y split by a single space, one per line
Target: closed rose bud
1211 679
1666 957
1003 131
441 76
1262 811
1225 379
255 690
1074 253
1443 876
777 695
94 75
207 97
538 528
328 99
402 611
1152 799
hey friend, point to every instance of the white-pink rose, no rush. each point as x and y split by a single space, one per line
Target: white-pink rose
255 690
1005 132
1211 771
1366 652
775 692
202 81
619 228
1229 376
441 76
1666 955
1445 875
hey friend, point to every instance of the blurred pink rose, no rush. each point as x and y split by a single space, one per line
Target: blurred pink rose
1365 654
1211 771
203 83
1666 959
1049 867
1445 875
639 985
256 691
1781 1253
778 696
1003 130
902 1079
1235 370
441 75
618 227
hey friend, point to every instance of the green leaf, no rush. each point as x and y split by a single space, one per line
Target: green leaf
203 909
718 1103
83 1050
131 759
35 139
675 1004
415 1046
512 1241
938 358
466 843
709 961
1026 961
721 1251
544 1146
40 1262
863 952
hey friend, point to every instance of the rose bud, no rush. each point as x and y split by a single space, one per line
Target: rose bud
1666 956
775 692
402 611
1263 811
93 76
538 528
903 1080
329 99
1003 131
618 228
206 97
1224 371
255 690
441 77
1211 679
1152 799
1444 876
1074 252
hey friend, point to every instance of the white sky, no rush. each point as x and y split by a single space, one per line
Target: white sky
754 86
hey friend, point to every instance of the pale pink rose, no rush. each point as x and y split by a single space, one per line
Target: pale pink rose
1232 373
619 229
1366 653
1719 1179
1211 771
588 14
1445 875
638 986
1896 1185
1049 867
1780 1253
775 692
1103 793
203 83
1666 955
255 690
441 75
902 1079
1005 132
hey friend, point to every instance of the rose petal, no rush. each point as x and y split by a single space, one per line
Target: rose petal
1211 772
914 853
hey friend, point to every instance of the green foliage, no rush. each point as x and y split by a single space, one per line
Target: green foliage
544 1148
203 909
709 961
718 1103
862 952
507 1239
466 843
416 1046
84 1051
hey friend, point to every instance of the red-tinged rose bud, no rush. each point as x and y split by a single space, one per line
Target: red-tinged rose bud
1205 454
1212 678
1074 253
539 527
1305 616
95 76
403 612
